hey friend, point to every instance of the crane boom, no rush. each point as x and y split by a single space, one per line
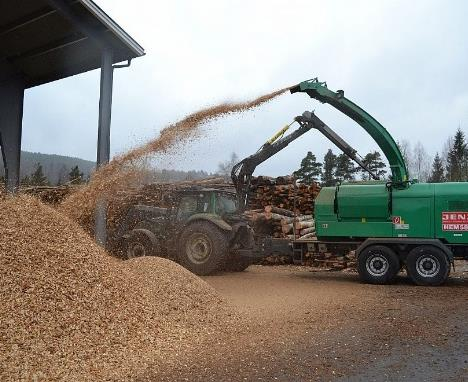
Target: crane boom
241 173
381 136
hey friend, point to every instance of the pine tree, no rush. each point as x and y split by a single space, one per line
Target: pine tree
75 176
37 177
329 168
310 170
345 168
373 162
437 173
457 158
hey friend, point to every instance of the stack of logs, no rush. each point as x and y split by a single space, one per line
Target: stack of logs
284 193
281 223
283 209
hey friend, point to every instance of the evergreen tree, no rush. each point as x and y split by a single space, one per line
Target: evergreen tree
345 168
37 177
329 169
437 173
75 176
310 170
373 162
457 158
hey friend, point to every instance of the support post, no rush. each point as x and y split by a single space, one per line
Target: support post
103 144
11 121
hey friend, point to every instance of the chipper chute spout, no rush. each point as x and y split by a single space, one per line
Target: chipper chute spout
319 91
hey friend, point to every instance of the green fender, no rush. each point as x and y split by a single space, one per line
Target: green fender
212 218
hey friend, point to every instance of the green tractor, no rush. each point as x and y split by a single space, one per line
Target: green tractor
201 230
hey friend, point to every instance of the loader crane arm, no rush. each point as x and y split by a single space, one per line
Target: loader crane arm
381 136
241 173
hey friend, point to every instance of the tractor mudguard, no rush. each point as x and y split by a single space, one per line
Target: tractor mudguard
212 218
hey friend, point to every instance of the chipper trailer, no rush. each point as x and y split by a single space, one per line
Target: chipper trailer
390 224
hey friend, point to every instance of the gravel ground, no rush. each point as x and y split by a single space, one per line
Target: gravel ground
299 325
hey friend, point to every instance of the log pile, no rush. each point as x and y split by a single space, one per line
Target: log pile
330 261
281 223
283 209
284 193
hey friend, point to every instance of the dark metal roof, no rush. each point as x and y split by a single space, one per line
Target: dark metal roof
46 40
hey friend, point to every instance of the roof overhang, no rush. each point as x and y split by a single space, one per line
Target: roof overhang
46 40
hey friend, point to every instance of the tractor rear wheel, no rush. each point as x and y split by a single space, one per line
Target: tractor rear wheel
427 265
378 264
203 248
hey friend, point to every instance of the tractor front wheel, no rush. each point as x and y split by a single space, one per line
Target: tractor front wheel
203 248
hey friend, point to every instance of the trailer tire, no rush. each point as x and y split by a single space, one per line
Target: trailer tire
428 265
378 264
203 248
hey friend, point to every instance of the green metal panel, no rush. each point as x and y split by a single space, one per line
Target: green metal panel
318 90
412 211
325 204
363 202
362 229
451 212
422 210
362 223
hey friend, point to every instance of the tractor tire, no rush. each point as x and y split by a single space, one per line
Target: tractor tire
378 264
428 265
203 248
237 264
138 245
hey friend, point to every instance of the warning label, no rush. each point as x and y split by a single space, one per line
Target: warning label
455 221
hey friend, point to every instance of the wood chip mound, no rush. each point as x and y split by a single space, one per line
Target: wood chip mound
71 312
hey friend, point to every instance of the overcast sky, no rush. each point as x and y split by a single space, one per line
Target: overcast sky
404 62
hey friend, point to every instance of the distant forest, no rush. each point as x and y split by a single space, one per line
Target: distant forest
39 169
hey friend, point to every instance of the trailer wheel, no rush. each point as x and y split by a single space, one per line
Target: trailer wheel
428 265
378 264
203 248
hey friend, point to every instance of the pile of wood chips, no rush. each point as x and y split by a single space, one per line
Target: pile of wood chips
71 312
53 195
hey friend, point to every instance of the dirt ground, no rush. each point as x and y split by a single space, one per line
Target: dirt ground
299 325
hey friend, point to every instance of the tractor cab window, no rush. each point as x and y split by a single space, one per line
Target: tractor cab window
225 204
193 204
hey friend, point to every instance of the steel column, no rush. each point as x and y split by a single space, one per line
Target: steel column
11 120
103 144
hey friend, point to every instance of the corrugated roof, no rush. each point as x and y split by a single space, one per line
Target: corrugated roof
46 40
